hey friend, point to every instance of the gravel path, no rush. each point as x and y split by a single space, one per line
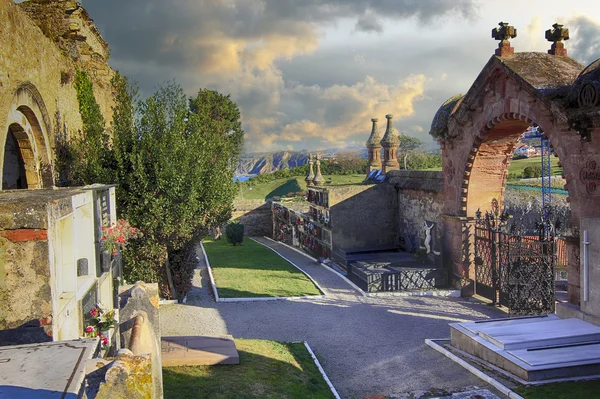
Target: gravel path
366 345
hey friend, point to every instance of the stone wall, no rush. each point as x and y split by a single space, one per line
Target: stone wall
37 75
420 199
255 215
363 216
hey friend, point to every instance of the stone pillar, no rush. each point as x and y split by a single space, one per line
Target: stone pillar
374 148
311 175
318 180
390 143
458 252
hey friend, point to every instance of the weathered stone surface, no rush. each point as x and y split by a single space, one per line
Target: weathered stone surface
37 94
255 215
363 215
128 377
198 351
141 299
49 370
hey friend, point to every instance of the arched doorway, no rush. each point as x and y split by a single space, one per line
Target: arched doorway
26 153
478 132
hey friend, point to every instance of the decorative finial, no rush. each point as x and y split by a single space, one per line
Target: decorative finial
374 138
374 147
556 36
504 33
319 179
390 138
311 175
390 143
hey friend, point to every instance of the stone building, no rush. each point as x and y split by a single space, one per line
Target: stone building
50 271
41 45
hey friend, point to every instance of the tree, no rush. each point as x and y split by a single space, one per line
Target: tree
175 165
408 144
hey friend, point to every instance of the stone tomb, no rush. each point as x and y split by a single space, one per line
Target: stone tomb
535 348
49 370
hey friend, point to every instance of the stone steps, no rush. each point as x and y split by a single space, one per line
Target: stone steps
198 351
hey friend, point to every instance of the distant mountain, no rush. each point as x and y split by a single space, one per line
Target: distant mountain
259 163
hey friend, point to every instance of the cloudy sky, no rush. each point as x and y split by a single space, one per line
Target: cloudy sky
309 74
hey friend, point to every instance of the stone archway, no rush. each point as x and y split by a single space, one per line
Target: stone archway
26 146
478 132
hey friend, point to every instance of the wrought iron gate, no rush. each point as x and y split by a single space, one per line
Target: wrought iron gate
512 269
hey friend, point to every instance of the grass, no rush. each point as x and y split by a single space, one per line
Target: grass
564 390
280 187
251 270
267 370
517 165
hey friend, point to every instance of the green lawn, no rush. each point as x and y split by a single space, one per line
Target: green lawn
252 270
564 390
517 165
280 187
267 370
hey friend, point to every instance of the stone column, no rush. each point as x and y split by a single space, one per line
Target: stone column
311 175
318 180
374 147
390 143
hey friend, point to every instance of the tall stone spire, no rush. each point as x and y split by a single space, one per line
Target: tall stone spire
390 143
318 180
374 146
311 175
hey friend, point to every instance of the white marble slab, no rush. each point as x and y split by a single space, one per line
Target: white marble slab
536 335
570 355
482 326
45 370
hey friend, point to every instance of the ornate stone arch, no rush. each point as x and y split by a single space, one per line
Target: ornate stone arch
29 122
478 132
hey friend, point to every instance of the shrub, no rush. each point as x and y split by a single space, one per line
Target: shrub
532 172
234 233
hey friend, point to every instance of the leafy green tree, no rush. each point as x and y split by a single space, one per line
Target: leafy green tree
407 145
175 166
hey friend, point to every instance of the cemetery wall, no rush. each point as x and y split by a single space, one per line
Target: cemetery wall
420 199
255 215
363 216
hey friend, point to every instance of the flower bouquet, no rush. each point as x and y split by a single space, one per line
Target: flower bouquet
118 235
99 325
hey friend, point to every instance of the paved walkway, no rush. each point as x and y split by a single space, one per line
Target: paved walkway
366 345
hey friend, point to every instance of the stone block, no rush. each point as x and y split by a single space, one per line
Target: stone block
199 351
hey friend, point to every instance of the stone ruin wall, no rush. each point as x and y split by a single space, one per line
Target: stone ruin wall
41 45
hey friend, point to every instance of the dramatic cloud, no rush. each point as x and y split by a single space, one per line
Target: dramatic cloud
584 44
311 73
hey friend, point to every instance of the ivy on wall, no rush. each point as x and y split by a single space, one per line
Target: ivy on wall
82 159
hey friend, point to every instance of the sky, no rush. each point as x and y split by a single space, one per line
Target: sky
310 74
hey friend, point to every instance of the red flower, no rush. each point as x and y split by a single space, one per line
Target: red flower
94 312
104 341
89 329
